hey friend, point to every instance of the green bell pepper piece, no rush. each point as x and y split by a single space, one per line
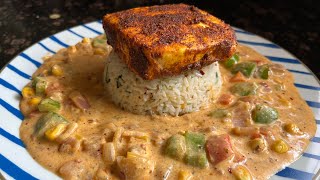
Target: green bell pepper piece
246 68
195 154
244 88
176 147
219 113
263 71
195 141
231 61
197 159
264 114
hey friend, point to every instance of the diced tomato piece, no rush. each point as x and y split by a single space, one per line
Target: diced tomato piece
219 148
226 99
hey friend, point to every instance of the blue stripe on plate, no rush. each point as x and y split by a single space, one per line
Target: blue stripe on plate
311 156
285 60
313 104
11 137
295 174
13 170
58 41
300 72
317 121
9 86
36 63
307 87
11 109
259 44
93 30
22 74
75 33
243 32
316 139
46 48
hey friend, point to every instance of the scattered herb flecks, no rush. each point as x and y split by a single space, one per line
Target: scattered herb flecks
119 81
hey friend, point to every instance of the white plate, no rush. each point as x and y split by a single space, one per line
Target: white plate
15 161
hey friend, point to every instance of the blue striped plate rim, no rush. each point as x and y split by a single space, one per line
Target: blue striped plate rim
23 66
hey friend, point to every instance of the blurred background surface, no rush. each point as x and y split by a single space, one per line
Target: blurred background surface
294 25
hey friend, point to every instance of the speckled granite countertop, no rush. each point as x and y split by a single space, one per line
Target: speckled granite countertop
293 25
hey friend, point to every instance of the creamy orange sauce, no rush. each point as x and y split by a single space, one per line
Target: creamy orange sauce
83 72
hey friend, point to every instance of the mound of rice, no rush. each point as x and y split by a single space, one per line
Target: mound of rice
174 95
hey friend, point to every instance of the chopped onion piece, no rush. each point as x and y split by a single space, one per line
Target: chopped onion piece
79 100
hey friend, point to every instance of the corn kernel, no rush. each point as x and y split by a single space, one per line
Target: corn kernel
146 138
27 92
131 155
72 49
86 40
54 132
99 51
293 129
245 131
257 145
134 155
57 70
184 175
35 101
280 146
78 136
45 72
241 173
285 102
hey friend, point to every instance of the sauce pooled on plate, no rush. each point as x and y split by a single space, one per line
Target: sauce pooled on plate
258 125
